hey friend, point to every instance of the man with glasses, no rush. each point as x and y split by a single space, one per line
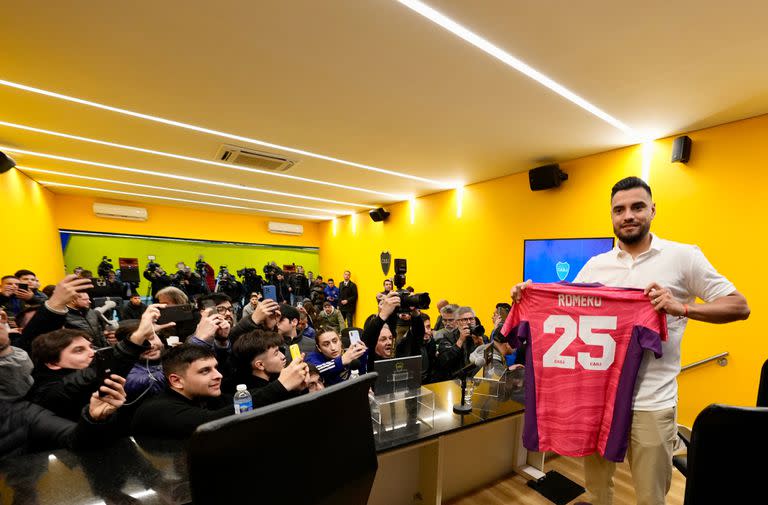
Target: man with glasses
454 349
216 320
448 321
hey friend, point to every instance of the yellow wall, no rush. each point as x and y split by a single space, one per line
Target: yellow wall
29 236
76 213
474 259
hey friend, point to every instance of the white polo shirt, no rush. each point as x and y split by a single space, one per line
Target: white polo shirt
684 270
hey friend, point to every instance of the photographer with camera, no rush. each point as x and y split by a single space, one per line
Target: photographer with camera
378 333
157 277
298 285
228 285
252 282
188 281
270 272
455 348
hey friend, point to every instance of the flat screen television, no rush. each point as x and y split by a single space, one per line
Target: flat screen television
560 259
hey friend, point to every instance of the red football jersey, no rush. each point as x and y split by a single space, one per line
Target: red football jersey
585 345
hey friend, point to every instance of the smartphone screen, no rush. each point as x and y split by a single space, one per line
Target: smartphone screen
25 287
354 336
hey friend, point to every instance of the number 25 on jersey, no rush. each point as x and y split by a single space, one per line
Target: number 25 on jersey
584 331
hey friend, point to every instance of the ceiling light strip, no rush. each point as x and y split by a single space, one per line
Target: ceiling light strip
198 193
181 177
498 53
196 202
209 131
197 160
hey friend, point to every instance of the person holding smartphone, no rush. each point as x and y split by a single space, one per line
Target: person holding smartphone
29 287
9 301
66 373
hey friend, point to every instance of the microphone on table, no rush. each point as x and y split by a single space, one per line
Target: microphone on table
476 362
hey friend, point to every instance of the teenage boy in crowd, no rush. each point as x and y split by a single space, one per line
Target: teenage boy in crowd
194 393
335 364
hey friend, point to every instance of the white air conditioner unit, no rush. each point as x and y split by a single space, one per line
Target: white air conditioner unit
245 157
120 212
285 228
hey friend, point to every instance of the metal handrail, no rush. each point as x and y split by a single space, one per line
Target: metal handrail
721 358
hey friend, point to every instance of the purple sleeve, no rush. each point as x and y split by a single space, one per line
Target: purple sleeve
649 340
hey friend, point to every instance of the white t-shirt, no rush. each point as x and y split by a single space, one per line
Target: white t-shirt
684 270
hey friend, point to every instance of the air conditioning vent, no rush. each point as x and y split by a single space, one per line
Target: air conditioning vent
285 228
120 212
249 158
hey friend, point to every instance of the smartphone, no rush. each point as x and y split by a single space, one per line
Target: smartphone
354 336
176 313
101 363
270 292
295 351
25 287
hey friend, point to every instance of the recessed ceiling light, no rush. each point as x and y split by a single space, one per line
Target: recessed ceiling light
198 160
218 133
180 177
147 186
503 56
89 188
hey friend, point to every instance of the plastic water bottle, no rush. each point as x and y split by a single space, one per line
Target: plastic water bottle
243 402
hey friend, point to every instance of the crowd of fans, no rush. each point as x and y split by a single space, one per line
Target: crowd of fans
74 371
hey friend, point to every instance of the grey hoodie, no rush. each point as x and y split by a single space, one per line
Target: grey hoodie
15 375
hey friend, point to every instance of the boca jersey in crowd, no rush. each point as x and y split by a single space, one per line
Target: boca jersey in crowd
585 345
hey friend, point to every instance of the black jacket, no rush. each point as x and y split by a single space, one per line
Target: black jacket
349 293
451 358
43 321
26 427
89 321
172 415
130 311
66 391
409 345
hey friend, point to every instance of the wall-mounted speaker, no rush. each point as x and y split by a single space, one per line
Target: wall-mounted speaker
546 177
6 162
681 149
378 215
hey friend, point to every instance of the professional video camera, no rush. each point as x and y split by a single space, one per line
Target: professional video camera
408 299
200 266
152 267
104 267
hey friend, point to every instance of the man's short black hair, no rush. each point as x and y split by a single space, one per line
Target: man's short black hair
252 344
126 329
289 312
504 305
630 183
177 359
216 298
21 273
425 317
7 277
330 279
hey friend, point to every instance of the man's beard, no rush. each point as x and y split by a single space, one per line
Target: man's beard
633 238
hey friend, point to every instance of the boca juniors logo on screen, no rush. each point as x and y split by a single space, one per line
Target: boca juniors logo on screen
386 260
562 268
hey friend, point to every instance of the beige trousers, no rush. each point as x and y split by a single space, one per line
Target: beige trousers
652 439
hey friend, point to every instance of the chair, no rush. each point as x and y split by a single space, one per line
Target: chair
316 449
726 456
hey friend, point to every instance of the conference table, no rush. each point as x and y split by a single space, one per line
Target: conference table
422 460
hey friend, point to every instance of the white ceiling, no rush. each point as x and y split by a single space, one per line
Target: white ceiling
368 81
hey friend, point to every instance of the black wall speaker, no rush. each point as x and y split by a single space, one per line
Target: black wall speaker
546 177
6 162
681 149
378 214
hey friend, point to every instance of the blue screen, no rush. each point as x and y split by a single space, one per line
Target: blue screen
560 259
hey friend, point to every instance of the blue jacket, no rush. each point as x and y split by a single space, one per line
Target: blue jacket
332 370
332 292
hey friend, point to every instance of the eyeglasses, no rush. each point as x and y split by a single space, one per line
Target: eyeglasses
466 320
222 309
